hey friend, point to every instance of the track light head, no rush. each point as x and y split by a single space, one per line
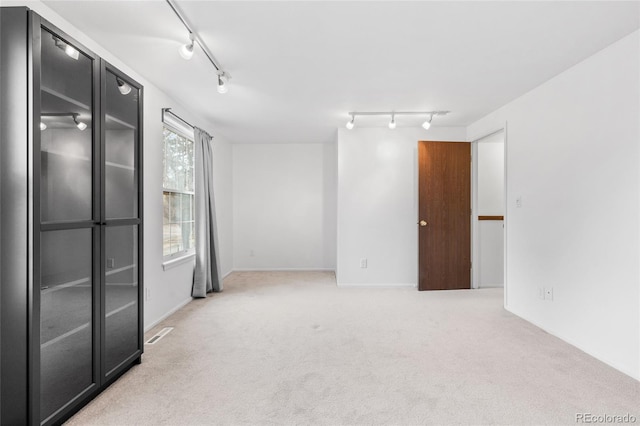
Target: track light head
392 123
222 83
186 51
123 87
79 124
427 123
351 123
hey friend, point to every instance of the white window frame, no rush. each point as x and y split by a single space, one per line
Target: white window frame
175 124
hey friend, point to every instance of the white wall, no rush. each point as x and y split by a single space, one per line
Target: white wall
172 288
573 157
377 203
222 185
284 206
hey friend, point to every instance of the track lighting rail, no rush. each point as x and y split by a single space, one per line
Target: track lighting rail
216 64
434 113
393 114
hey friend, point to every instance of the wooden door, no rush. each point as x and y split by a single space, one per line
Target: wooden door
444 215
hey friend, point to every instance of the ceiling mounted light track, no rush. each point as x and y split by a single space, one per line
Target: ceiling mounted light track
393 114
186 51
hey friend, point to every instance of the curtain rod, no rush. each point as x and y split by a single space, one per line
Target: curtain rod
168 110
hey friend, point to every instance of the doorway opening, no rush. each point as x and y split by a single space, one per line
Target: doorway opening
489 210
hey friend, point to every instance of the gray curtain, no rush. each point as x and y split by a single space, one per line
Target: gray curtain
207 277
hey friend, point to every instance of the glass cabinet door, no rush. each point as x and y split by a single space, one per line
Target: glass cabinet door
121 295
66 131
68 237
66 320
121 133
122 310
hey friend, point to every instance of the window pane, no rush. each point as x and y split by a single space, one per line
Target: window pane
176 210
178 232
166 225
176 238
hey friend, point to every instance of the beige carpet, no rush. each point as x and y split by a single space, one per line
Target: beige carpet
287 348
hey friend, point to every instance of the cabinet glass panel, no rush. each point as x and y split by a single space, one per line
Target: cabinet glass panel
121 294
66 131
66 338
121 140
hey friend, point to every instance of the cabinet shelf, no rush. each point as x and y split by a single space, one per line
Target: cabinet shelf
72 156
53 101
83 326
63 100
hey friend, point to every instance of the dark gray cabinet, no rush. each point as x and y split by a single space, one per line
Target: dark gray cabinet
70 221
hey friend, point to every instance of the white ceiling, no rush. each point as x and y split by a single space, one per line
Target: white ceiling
298 67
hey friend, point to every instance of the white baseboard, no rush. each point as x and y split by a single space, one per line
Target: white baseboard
283 270
168 314
382 285
496 285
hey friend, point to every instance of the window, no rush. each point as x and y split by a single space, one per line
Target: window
178 233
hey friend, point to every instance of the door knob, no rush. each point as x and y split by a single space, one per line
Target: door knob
423 223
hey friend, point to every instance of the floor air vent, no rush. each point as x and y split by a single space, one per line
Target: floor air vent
159 335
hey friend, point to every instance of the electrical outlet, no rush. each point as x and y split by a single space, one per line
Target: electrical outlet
363 263
147 294
519 201
111 262
548 293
